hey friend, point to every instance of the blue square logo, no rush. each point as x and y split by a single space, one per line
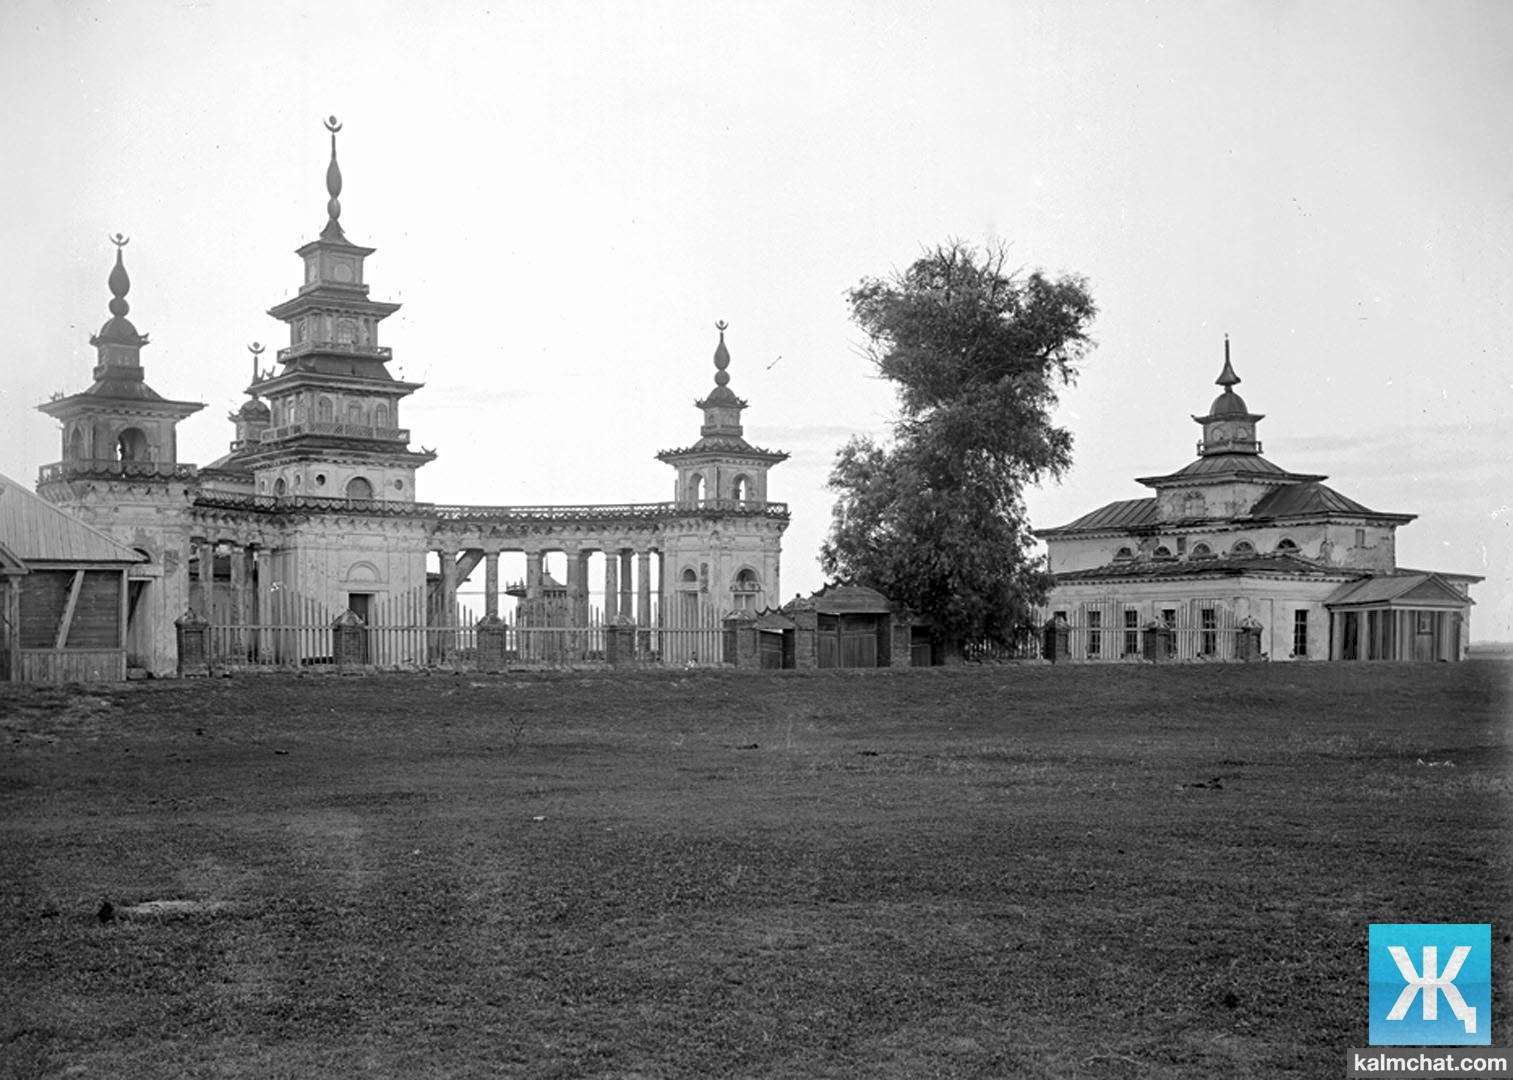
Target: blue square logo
1431 984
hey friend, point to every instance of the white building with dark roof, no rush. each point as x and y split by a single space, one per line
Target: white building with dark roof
1234 557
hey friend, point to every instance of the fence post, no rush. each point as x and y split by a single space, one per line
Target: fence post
1248 640
491 647
192 634
619 640
348 640
740 646
1160 641
1058 636
806 622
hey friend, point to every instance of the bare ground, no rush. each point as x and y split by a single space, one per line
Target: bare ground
1022 871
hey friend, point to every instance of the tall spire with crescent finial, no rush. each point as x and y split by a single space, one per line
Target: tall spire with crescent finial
333 230
118 329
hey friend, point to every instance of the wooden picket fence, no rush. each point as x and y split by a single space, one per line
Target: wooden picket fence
400 633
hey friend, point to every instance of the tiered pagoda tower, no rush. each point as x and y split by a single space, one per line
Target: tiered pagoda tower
334 429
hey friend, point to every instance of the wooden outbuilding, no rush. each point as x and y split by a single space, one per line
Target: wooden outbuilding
64 594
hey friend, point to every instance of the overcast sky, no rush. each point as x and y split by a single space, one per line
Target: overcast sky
566 196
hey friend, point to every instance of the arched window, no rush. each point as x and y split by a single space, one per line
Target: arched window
690 578
740 489
354 412
1243 547
346 331
696 487
358 488
746 588
1286 545
76 445
324 410
1163 552
1124 553
131 445
279 487
1202 551
381 415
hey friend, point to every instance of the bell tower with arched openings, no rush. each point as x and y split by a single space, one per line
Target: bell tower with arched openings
120 426
723 546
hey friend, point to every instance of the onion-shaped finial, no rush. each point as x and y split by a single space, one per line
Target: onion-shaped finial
119 281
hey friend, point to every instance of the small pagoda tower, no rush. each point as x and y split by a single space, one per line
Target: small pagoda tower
253 418
1229 427
722 550
120 472
1229 475
120 427
722 470
334 427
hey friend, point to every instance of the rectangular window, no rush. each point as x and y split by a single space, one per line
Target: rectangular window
1131 632
1169 618
1210 642
1094 634
1300 632
1360 538
1424 622
1181 545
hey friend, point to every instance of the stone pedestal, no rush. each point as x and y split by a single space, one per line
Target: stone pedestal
1058 637
742 649
349 641
1160 642
192 633
491 643
620 641
1248 640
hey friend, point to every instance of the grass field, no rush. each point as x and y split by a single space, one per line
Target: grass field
999 872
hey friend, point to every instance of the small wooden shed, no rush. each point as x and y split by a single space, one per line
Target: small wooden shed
63 594
851 626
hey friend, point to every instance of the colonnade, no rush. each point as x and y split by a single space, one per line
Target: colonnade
628 589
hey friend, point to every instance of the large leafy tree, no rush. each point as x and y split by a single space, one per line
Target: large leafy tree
936 518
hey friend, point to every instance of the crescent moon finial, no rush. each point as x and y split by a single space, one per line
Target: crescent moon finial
119 240
333 125
256 349
722 326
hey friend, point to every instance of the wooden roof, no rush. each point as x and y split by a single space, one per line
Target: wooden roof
843 599
34 530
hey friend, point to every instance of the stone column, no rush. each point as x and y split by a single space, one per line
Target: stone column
263 599
626 586
611 584
663 596
448 613
200 594
239 603
643 588
533 569
491 584
577 587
